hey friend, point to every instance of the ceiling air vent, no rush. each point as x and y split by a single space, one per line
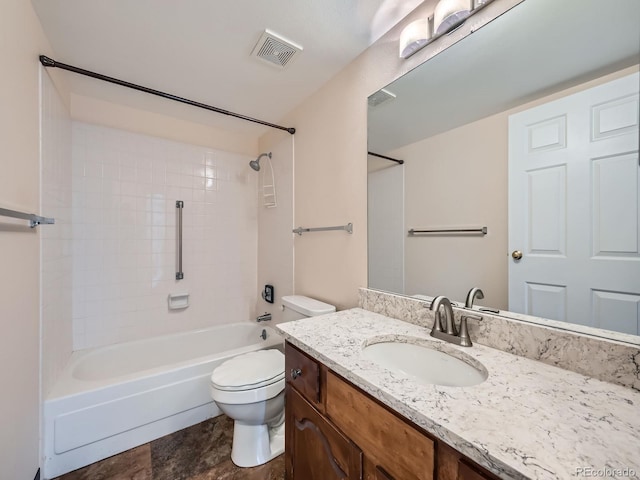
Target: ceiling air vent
275 50
380 96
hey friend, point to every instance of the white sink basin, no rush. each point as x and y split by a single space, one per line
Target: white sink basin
425 364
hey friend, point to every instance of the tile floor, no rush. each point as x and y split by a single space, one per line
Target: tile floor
201 452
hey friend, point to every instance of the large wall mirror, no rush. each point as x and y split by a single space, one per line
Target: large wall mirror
528 127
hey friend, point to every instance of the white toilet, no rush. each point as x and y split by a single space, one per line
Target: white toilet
249 388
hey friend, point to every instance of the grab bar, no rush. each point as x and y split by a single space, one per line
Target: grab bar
34 220
179 206
348 228
479 230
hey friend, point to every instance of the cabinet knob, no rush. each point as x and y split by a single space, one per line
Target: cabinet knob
295 373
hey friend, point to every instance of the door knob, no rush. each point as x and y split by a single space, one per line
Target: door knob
516 254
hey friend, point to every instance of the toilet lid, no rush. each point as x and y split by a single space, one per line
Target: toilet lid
250 370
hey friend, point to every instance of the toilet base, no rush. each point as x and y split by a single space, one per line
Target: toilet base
255 445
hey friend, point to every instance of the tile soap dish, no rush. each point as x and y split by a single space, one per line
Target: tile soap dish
178 301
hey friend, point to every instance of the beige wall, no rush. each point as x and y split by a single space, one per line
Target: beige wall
331 161
22 42
458 179
101 112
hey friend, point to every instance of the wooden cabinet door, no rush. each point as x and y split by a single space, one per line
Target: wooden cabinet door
315 450
393 449
465 472
382 474
452 465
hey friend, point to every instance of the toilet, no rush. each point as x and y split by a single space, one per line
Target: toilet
249 389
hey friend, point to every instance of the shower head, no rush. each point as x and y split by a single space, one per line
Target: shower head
255 164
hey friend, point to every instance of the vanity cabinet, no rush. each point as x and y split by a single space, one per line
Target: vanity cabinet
322 451
334 430
452 465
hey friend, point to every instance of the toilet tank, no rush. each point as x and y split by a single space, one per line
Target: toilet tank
299 306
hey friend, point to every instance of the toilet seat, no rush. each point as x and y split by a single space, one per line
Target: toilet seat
249 378
240 388
254 395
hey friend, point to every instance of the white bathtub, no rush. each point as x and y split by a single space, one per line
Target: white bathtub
113 398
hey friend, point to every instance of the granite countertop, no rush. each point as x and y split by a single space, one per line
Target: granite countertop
528 420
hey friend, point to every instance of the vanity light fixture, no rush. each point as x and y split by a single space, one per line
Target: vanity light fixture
447 15
414 36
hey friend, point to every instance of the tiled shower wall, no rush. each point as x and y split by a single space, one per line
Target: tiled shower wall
125 188
55 240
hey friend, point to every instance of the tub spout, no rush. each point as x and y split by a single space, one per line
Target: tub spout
264 317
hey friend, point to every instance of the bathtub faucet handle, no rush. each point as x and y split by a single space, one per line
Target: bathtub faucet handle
264 317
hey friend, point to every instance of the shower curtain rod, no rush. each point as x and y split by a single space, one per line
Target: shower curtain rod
400 162
49 62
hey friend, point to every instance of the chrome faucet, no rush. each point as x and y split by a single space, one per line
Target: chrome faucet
448 331
265 317
474 293
450 327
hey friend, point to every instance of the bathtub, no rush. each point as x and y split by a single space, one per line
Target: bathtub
111 399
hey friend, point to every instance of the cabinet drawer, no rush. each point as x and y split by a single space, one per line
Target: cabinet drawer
396 449
303 373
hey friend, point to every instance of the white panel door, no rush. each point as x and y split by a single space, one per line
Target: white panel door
574 208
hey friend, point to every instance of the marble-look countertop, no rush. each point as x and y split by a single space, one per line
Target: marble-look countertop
528 420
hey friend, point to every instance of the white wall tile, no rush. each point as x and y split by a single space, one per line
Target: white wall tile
124 246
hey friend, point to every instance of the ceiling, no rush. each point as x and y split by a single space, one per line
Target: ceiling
533 50
200 50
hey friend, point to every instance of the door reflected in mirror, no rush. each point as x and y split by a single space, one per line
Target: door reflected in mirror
529 127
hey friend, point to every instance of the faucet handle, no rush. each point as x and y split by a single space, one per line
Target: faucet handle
465 340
